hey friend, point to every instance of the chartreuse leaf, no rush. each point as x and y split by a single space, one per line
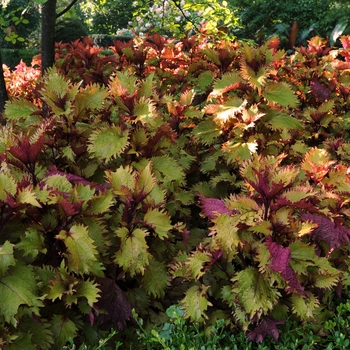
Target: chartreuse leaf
159 221
84 289
59 182
123 180
145 89
279 121
19 109
195 303
280 93
18 287
101 203
225 233
55 83
254 292
91 97
207 131
133 253
304 306
146 181
41 334
168 169
63 329
27 196
108 142
155 278
82 253
6 257
196 263
32 243
8 186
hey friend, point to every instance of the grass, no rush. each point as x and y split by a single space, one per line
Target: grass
178 334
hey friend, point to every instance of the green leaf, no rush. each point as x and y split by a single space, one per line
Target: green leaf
27 196
196 303
225 233
123 180
255 293
133 253
19 109
84 289
205 79
59 182
63 329
82 254
145 90
56 83
207 132
6 257
196 263
169 169
156 278
32 243
8 186
107 143
101 203
278 121
159 221
18 288
146 181
280 93
91 98
305 306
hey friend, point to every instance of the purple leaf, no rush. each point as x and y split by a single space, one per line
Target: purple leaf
281 257
319 90
328 231
212 207
266 327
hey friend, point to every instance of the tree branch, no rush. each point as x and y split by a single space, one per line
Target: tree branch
67 8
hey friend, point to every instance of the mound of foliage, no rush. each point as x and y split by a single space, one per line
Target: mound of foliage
199 172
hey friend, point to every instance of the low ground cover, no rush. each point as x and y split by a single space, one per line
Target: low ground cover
202 173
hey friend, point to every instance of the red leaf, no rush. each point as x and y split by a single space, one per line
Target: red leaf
334 234
266 327
212 207
281 257
319 90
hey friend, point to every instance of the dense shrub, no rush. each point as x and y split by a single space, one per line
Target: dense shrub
70 29
209 174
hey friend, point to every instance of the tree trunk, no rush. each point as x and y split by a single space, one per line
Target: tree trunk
3 91
48 24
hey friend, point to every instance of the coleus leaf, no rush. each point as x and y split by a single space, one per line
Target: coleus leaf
196 263
146 181
156 279
319 90
212 207
254 292
334 234
207 132
280 93
8 186
195 303
115 303
317 163
19 109
32 243
278 121
266 327
123 181
63 329
305 306
82 254
92 98
168 169
108 142
27 196
100 203
159 221
281 257
133 255
6 257
18 287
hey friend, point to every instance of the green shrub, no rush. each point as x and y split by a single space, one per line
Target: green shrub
70 29
11 57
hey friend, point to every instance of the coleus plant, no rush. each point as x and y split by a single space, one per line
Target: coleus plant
200 172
